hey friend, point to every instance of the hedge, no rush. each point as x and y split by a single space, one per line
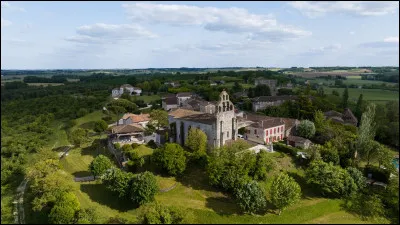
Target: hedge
286 149
378 174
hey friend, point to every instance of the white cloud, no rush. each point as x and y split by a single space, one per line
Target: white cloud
352 32
391 39
5 23
389 42
231 20
322 50
314 9
100 33
8 6
5 4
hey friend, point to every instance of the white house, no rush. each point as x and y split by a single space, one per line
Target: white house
116 92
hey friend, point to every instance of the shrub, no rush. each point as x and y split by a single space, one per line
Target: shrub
135 145
286 149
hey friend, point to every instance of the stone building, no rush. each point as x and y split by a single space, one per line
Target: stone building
117 92
219 126
347 117
262 102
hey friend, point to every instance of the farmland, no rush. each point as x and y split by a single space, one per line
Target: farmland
368 94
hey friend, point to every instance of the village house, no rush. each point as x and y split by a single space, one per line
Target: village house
117 92
127 134
296 141
248 118
347 117
220 126
200 105
270 83
183 97
262 102
266 131
129 118
169 102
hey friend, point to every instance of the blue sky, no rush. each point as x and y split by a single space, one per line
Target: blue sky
100 35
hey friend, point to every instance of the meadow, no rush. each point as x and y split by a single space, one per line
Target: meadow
376 95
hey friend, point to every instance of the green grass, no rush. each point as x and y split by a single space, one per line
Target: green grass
143 150
368 94
60 137
148 99
87 121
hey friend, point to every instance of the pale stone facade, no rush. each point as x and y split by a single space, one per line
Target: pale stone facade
219 126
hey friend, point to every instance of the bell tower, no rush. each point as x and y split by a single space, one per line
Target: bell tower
226 120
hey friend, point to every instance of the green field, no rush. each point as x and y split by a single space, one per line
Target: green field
375 95
148 99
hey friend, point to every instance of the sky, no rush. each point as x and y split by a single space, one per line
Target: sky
109 35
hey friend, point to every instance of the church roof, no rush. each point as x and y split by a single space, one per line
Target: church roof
178 113
298 139
190 115
274 98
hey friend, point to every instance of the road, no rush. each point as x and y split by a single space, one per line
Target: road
19 212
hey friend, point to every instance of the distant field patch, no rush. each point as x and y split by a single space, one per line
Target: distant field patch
368 94
148 99
45 84
354 77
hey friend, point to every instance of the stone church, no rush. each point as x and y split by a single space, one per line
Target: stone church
220 125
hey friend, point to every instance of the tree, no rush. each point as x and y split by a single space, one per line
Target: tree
117 181
100 126
100 165
391 199
143 188
329 179
306 129
155 85
82 112
320 91
171 158
384 156
330 154
65 209
146 86
359 107
159 214
237 87
284 191
88 216
357 176
159 118
335 93
132 80
197 142
345 98
250 197
367 205
262 90
319 120
263 165
78 136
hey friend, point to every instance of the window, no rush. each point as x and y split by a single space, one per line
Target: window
227 134
267 140
223 97
255 131
266 133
